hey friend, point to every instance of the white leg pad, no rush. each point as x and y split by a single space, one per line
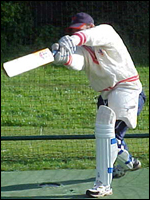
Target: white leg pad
106 144
123 158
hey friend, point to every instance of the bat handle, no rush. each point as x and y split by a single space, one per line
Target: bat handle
54 52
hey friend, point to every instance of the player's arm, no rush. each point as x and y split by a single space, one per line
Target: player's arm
101 35
68 53
64 57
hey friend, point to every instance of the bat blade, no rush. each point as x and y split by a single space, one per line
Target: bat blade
28 62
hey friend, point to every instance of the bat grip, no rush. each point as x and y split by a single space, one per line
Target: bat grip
54 52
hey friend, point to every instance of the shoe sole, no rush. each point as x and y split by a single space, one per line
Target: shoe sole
96 194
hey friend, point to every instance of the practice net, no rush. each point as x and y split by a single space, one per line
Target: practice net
54 101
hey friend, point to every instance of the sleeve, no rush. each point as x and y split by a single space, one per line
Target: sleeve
101 35
76 60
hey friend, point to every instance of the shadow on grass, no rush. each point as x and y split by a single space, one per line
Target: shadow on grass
31 186
21 187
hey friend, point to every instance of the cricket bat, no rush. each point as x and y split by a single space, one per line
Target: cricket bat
28 62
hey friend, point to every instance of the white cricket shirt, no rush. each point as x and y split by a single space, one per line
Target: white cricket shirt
105 59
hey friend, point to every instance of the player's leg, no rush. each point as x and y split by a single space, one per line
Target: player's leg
106 152
121 127
101 102
120 130
130 105
118 171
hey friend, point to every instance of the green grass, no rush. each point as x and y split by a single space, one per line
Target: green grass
53 100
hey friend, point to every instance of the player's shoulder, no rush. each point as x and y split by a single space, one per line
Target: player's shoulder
104 26
105 29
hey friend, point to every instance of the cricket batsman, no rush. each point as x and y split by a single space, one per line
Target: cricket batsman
101 53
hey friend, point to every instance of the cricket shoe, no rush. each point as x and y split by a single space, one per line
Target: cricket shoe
119 171
136 164
99 191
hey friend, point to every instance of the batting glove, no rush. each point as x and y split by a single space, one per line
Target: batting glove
68 43
62 55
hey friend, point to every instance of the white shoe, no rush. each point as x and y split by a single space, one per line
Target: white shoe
136 164
100 191
119 171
